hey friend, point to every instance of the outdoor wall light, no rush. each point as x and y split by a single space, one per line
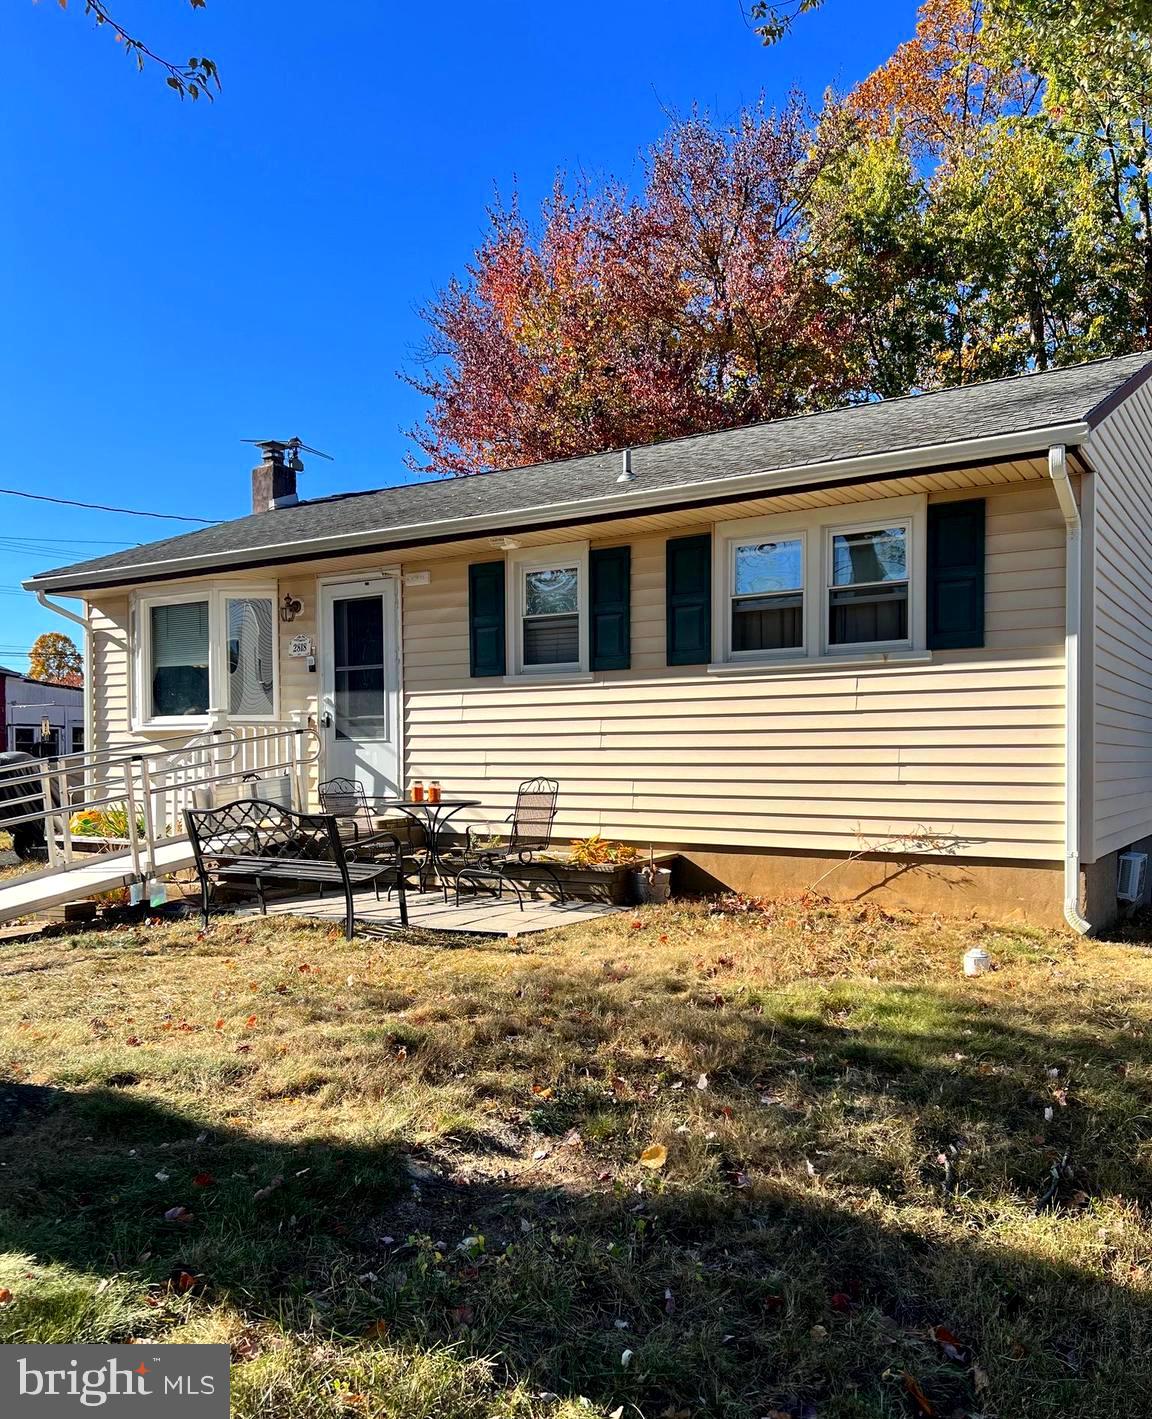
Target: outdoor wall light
290 608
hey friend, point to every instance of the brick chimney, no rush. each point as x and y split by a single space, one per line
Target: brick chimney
274 480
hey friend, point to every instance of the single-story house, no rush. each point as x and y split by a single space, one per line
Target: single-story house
900 648
29 706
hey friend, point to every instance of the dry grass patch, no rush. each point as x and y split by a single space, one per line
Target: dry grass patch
412 1179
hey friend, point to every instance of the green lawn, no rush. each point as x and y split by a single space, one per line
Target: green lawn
411 1176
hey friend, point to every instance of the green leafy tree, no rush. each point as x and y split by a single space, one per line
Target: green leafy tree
1096 20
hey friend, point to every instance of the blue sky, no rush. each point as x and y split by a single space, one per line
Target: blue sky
178 277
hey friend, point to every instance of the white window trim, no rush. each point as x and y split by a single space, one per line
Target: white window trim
540 559
817 527
217 595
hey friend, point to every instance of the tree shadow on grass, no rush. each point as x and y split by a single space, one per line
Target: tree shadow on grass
813 1290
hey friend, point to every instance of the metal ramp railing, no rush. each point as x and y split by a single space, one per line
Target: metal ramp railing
146 787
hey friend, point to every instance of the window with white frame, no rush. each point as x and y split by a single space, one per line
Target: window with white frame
180 646
548 614
868 586
767 580
203 651
251 656
834 582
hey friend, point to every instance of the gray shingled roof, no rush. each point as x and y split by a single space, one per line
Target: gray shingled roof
519 496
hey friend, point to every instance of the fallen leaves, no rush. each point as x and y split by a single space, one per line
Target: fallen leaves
949 1344
178 1214
5 1296
654 1156
923 1404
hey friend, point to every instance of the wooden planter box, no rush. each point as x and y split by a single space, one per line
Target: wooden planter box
607 882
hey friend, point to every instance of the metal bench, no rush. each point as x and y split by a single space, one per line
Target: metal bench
262 842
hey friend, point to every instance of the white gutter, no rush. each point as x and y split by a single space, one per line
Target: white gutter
1073 573
86 624
635 498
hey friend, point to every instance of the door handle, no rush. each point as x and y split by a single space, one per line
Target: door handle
325 720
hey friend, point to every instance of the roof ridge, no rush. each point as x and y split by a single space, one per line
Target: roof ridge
1021 375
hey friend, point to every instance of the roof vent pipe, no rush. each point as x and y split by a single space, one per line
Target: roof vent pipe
626 474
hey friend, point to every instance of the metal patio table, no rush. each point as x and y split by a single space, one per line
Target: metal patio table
433 817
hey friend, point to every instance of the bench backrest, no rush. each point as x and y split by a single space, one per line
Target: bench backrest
255 828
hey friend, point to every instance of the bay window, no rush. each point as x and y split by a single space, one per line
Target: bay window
202 652
833 582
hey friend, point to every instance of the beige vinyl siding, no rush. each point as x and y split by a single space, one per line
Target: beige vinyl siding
966 750
109 671
1121 452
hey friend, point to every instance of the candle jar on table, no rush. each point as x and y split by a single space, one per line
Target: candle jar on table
418 791
434 791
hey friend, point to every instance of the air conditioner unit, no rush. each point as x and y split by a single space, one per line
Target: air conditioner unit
1131 876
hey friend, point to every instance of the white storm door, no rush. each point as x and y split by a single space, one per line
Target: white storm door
360 684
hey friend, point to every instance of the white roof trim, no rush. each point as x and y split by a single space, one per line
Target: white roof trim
993 448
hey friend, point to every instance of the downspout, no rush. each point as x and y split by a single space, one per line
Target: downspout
84 622
1073 603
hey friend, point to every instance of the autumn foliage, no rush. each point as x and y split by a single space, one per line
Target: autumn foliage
979 206
55 658
625 321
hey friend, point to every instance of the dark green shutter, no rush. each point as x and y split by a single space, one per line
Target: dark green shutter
486 638
688 577
956 575
610 577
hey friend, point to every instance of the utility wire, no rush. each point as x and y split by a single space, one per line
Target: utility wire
102 507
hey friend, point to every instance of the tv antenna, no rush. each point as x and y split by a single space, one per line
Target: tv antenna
274 451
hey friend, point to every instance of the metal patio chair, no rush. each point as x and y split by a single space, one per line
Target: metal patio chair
347 800
530 832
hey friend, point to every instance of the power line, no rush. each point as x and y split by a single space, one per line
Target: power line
102 507
71 541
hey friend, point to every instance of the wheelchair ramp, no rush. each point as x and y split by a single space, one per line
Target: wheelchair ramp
102 872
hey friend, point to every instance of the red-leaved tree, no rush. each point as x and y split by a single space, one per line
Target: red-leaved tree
615 322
